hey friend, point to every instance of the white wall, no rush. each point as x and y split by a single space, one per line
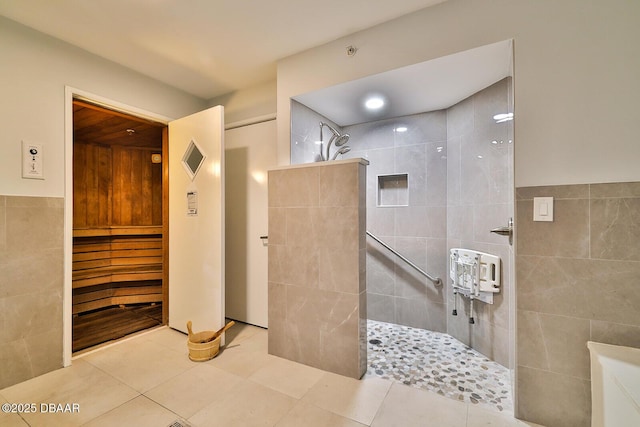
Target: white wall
576 79
249 103
34 70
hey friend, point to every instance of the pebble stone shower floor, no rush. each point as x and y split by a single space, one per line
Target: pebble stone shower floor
437 362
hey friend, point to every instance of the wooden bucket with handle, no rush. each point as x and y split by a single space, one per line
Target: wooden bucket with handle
205 345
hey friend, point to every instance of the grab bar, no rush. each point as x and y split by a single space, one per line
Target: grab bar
436 280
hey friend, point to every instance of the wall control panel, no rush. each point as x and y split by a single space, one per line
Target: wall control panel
32 160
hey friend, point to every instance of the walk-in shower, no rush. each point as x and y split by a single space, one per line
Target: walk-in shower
437 179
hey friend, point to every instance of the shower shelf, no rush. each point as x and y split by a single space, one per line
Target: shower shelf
393 190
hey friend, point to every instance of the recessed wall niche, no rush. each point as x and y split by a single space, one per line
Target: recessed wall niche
393 190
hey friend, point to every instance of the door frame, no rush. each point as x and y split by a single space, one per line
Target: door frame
71 93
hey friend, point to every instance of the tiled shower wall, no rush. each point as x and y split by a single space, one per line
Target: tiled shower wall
396 293
480 193
31 283
578 280
305 133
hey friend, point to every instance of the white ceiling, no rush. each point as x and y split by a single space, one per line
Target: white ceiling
427 86
205 47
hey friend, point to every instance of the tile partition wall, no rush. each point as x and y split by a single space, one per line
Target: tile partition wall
317 275
480 197
578 280
31 284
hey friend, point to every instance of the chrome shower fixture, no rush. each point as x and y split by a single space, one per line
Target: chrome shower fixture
342 150
337 137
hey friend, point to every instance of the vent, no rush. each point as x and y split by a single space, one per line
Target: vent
179 423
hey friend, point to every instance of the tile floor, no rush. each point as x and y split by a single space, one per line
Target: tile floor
148 380
437 362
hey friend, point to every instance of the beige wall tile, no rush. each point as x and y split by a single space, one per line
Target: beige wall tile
30 228
277 226
44 349
553 399
580 191
26 273
277 313
322 329
294 187
565 342
567 296
531 351
338 271
304 226
31 282
339 228
615 189
554 343
15 367
588 289
31 314
615 333
566 236
317 271
294 265
615 228
339 185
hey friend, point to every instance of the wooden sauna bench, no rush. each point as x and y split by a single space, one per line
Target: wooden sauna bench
114 268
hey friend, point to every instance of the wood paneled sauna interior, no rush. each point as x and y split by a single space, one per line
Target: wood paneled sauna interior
119 225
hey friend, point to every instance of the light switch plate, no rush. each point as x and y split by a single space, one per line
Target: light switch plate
32 161
543 209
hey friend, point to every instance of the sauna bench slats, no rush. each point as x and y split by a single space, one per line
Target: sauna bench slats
118 231
110 297
116 266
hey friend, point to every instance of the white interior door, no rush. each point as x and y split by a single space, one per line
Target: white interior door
196 221
250 151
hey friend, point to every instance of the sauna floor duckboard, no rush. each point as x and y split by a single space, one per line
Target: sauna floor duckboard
437 362
113 323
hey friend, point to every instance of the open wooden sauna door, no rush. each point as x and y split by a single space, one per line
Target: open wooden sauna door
119 225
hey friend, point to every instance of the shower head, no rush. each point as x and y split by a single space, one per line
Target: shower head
341 140
337 137
342 150
335 134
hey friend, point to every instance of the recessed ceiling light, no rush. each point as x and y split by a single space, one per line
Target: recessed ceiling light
374 103
401 129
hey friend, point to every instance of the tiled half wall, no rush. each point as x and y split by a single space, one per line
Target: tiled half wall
317 270
578 280
31 282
